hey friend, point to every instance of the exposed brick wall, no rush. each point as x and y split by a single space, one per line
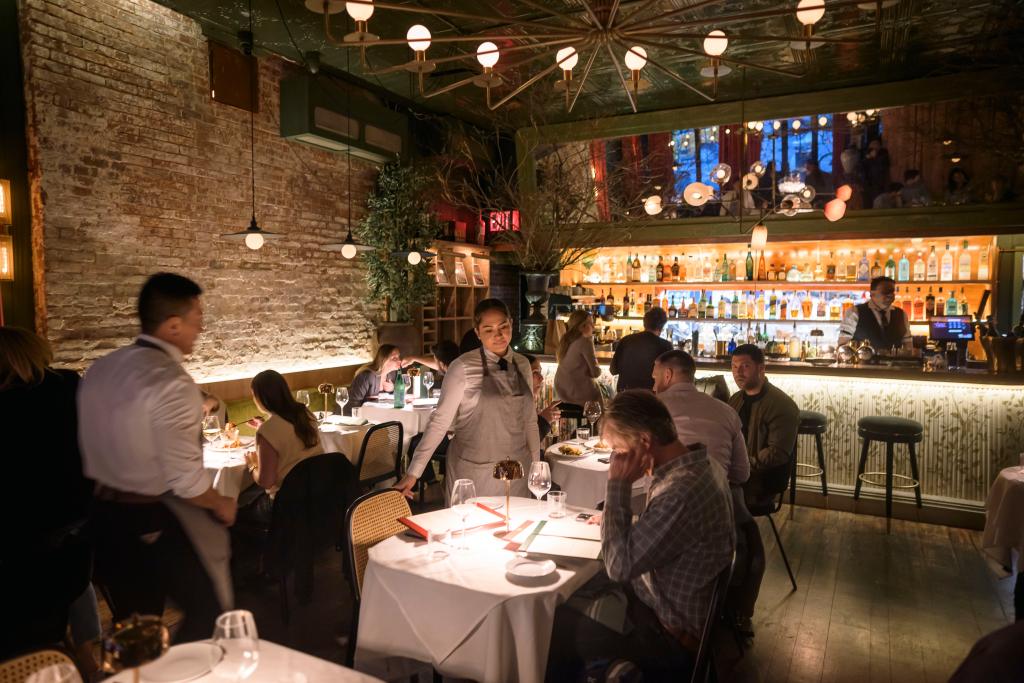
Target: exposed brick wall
136 170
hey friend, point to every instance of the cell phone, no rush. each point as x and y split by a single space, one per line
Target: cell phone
606 461
583 516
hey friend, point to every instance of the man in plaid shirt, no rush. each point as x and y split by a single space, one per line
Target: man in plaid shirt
668 559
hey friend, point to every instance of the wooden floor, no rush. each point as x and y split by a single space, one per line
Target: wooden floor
904 607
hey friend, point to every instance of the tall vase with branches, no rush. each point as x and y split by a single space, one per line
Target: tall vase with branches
399 219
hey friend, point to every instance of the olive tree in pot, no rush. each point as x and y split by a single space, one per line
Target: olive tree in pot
400 222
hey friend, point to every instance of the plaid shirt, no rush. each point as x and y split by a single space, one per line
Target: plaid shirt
682 541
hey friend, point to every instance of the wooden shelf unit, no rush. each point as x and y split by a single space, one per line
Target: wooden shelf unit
451 314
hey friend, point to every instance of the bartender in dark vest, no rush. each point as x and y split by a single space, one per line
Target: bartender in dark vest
876 320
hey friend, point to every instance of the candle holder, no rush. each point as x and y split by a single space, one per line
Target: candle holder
325 389
507 471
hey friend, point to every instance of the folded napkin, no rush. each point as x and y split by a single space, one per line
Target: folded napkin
344 420
424 402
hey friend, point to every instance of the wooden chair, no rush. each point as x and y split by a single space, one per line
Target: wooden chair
19 668
372 518
380 454
704 664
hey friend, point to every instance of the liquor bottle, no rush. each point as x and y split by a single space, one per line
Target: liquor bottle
919 268
399 391
600 299
723 310
918 306
644 276
738 307
732 270
835 308
724 268
807 275
659 272
890 268
652 271
929 304
964 270
783 307
806 307
771 271
903 271
851 269
750 264
793 274
863 269
933 265
635 269
946 272
782 273
908 305
940 303
706 269
702 306
691 310
822 307
762 270
876 269
795 345
963 306
773 307
758 310
673 312
983 263
625 304
648 304
638 305
675 270
819 271
952 305
830 269
610 301
716 274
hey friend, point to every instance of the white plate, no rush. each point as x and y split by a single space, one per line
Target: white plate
222 449
592 444
583 450
530 569
182 663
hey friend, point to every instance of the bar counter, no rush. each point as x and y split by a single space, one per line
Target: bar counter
973 424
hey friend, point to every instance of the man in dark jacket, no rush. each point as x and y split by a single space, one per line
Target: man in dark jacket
635 354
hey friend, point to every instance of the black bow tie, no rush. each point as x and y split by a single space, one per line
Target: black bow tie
502 364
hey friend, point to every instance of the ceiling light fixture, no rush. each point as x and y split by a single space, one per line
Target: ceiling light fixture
808 13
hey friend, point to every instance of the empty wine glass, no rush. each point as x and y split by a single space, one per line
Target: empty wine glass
55 673
463 498
428 381
539 478
211 428
302 396
592 411
341 396
235 635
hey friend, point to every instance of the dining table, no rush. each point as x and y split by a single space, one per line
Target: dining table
414 416
580 469
1004 517
466 613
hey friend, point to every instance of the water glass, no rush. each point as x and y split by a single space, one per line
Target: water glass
428 381
211 428
582 434
302 396
235 634
556 504
356 412
55 673
463 500
437 544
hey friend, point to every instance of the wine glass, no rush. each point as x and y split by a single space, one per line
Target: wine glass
592 411
539 478
302 396
341 396
235 634
428 381
211 428
463 498
55 673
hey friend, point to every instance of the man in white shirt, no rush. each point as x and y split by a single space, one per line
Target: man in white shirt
158 524
699 417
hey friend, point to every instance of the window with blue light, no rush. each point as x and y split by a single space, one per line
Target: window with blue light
708 153
684 159
825 142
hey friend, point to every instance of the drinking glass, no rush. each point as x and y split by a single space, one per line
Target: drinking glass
428 381
302 396
437 543
211 428
341 396
582 434
556 504
539 478
592 411
463 495
55 673
235 635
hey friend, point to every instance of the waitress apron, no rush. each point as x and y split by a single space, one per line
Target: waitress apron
494 433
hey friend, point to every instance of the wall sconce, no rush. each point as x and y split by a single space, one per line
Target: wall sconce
6 258
5 202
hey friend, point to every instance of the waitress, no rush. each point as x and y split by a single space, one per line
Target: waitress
876 320
488 403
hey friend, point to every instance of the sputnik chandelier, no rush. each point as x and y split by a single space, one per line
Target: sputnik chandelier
629 38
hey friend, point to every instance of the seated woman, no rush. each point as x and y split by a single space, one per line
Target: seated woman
374 378
286 438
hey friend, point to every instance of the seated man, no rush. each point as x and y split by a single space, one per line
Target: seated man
549 413
770 420
667 560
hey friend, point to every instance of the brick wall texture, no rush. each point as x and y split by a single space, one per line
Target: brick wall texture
135 169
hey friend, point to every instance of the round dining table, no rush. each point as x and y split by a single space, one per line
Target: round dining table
582 472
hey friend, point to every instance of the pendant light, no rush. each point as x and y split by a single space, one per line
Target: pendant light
254 236
349 248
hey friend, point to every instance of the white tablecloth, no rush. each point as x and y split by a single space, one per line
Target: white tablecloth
462 614
279 664
584 479
1004 516
414 420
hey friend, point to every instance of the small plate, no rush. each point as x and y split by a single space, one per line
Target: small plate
182 663
592 444
575 445
530 569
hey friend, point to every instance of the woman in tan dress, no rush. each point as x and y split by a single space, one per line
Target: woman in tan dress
577 365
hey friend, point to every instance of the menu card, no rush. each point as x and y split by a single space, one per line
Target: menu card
564 537
482 517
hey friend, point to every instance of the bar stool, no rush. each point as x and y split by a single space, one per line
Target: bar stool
891 430
815 423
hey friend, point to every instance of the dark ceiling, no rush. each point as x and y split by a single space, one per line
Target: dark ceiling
912 38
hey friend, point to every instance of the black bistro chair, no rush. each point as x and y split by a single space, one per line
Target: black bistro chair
704 664
380 455
774 482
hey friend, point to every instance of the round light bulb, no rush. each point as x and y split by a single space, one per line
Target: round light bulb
636 58
751 124
348 251
359 11
777 124
844 192
810 12
696 194
652 205
758 168
759 237
822 121
716 43
759 126
414 258
254 240
418 37
796 124
852 117
567 58
835 210
487 54
869 112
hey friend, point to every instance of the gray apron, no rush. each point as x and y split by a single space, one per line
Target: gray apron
494 433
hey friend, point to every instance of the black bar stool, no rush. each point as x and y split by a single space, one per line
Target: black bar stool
815 423
891 430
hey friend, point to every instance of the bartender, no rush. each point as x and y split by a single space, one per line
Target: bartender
488 403
876 320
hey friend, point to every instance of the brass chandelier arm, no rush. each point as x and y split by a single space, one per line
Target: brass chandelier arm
524 86
759 14
622 79
468 15
456 58
462 39
659 33
671 74
728 60
583 80
668 15
451 86
611 14
555 13
590 11
632 19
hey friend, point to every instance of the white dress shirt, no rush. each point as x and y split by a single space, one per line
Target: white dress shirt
702 418
459 397
139 419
